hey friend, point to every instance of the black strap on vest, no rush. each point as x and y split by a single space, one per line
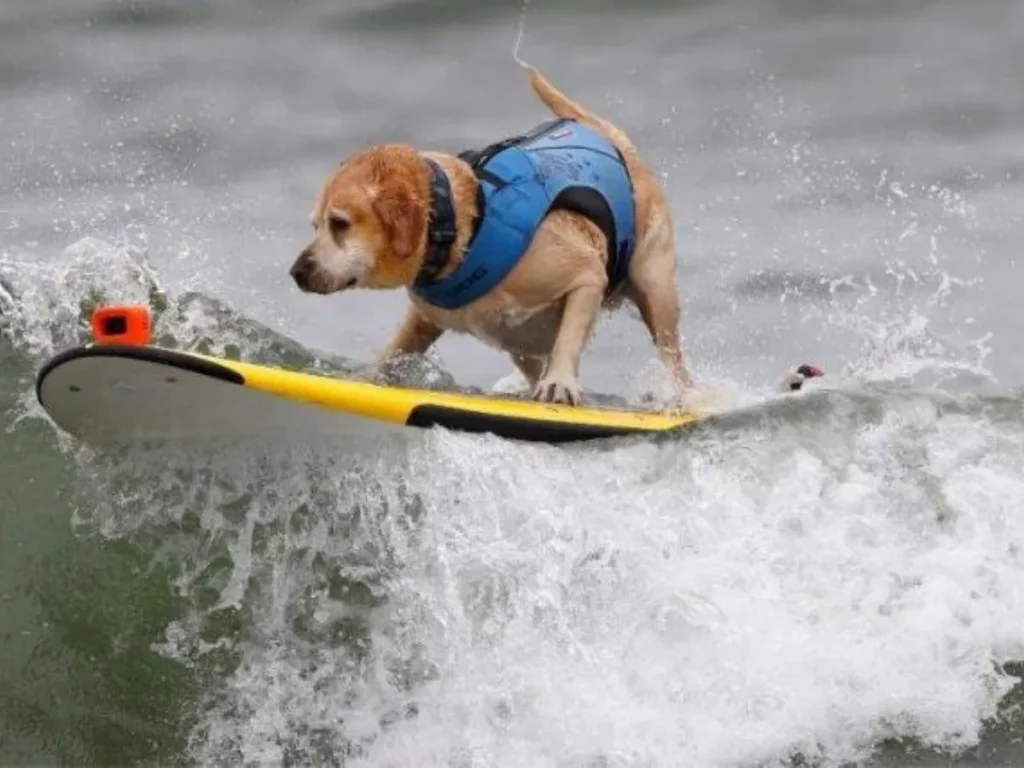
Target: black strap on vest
441 230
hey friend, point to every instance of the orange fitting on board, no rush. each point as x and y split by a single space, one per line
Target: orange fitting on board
128 324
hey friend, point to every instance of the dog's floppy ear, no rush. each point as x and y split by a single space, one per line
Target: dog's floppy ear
401 209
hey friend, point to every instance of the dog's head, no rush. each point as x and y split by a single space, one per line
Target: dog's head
370 220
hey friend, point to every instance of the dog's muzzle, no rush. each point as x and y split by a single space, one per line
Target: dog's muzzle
303 269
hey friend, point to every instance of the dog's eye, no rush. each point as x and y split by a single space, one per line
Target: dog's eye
338 224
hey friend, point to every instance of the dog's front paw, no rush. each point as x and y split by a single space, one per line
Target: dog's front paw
558 389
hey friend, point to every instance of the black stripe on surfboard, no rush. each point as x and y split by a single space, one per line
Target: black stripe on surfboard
167 357
512 427
424 415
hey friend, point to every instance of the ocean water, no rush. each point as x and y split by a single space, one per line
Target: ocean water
835 579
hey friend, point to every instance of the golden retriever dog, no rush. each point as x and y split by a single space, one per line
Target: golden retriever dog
521 244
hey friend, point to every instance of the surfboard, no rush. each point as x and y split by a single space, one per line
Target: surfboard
108 393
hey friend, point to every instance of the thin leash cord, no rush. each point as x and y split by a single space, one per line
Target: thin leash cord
519 37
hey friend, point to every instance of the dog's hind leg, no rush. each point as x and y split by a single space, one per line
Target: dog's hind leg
659 308
653 290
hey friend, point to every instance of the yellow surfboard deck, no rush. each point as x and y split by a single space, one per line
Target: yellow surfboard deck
112 393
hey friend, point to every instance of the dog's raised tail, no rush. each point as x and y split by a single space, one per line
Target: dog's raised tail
563 106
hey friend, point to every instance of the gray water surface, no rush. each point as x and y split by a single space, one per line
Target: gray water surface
846 181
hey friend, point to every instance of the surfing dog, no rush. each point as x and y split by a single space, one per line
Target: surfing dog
520 244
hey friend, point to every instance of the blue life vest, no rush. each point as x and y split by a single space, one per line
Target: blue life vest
562 164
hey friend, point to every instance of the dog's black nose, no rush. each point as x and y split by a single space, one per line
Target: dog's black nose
302 268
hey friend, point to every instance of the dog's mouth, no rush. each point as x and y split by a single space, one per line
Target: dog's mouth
312 275
314 282
320 285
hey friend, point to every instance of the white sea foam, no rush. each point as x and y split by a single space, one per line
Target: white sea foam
842 572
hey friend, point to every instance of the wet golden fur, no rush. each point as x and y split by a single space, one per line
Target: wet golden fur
371 220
